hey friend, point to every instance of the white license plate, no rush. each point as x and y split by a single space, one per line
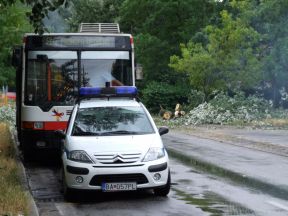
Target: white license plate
121 186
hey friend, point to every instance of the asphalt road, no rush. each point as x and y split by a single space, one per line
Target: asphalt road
46 190
197 187
250 159
193 193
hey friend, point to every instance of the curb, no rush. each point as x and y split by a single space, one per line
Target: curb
232 176
33 207
24 179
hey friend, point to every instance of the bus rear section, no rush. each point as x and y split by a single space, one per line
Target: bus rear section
51 69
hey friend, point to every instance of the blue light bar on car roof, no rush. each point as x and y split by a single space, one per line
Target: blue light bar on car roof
85 91
120 91
127 90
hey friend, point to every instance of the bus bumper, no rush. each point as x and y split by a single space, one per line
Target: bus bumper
31 139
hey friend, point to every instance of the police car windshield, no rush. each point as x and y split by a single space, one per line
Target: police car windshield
111 121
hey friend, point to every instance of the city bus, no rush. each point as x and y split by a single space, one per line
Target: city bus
50 70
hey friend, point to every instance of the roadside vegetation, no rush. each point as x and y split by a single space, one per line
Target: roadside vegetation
236 110
8 114
224 61
13 199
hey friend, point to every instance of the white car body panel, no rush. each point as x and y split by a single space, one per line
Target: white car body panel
135 143
115 147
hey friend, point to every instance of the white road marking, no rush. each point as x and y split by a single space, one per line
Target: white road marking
278 205
59 209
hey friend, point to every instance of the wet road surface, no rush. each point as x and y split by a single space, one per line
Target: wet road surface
268 140
195 191
263 166
44 181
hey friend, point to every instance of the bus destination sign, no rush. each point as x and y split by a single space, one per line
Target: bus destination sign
78 41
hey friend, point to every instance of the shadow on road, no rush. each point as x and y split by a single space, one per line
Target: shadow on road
90 197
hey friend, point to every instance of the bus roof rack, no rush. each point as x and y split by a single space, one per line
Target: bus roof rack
99 27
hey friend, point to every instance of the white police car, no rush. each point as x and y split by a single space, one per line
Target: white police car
112 144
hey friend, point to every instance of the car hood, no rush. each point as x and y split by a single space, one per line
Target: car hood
115 144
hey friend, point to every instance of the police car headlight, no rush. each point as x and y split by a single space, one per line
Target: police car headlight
154 154
79 156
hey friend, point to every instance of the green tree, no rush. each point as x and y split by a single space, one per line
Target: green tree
270 20
171 21
200 66
160 26
151 53
93 11
39 10
227 61
12 27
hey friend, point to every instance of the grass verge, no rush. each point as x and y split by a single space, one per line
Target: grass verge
13 200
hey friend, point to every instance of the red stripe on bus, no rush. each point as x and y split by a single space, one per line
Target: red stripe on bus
46 125
55 125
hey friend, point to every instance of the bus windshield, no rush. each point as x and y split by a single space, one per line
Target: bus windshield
52 76
99 67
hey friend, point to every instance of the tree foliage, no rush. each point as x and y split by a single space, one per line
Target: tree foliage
198 63
165 95
227 61
93 11
160 26
271 21
12 28
210 45
39 10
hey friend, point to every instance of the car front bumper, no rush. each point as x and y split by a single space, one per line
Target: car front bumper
94 175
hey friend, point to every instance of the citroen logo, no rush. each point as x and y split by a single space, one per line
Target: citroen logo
117 158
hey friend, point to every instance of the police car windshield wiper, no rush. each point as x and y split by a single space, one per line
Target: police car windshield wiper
86 133
119 132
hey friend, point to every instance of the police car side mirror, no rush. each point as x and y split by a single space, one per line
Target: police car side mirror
60 134
163 130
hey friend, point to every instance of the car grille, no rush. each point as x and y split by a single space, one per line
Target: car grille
117 158
139 178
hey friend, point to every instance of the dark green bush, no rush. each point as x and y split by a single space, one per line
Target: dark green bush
195 98
156 93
